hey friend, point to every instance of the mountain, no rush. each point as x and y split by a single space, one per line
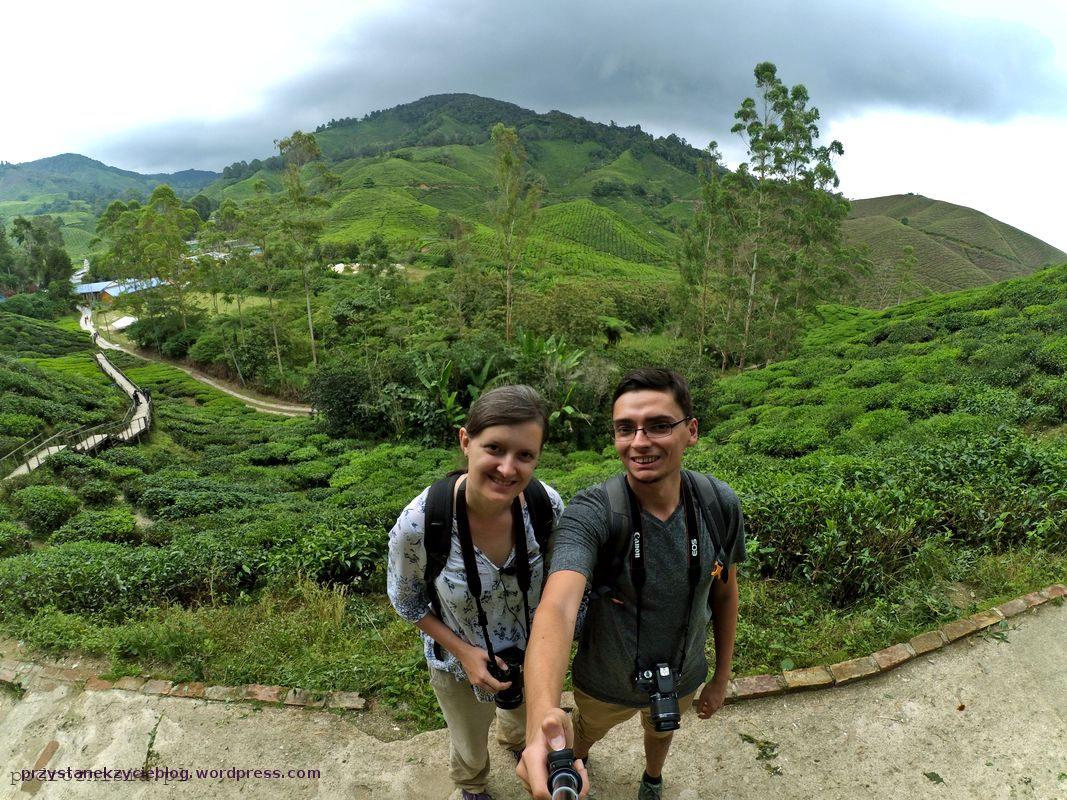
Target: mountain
77 177
955 247
76 188
613 197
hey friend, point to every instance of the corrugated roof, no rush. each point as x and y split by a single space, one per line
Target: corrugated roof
93 288
129 287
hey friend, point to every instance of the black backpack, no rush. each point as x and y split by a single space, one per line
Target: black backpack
437 538
612 555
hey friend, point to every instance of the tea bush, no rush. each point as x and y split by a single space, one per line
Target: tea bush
19 425
13 539
97 493
115 525
45 508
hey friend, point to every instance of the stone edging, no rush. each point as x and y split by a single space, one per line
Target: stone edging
29 676
823 677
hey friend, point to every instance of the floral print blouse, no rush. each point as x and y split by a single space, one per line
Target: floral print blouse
501 597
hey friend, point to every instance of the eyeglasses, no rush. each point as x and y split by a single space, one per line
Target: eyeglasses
624 432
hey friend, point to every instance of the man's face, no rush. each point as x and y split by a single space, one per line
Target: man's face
651 460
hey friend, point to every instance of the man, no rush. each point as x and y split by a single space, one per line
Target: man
689 575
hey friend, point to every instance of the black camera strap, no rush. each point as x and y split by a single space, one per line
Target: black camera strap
470 563
638 546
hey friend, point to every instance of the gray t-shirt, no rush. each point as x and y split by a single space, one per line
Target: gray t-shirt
604 664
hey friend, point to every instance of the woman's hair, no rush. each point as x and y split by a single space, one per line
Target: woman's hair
507 405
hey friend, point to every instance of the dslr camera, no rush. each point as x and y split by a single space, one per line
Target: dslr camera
510 698
661 684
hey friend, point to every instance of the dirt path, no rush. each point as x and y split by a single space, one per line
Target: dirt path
268 406
981 718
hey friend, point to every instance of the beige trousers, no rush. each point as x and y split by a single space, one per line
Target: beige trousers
594 718
468 729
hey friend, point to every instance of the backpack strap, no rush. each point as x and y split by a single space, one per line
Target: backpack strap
612 553
437 539
542 518
709 500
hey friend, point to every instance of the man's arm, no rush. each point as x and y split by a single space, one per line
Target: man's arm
724 599
546 663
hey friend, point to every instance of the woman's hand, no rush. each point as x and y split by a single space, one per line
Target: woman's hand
475 662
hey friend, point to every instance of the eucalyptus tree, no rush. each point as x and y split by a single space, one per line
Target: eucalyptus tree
256 225
709 258
298 220
790 231
514 210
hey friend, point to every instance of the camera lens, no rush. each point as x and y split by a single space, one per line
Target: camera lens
510 698
664 712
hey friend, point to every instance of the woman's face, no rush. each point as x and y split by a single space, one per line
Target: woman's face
501 459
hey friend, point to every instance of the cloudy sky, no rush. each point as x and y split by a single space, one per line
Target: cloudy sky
960 100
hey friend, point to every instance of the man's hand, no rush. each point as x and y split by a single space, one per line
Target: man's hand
555 734
712 696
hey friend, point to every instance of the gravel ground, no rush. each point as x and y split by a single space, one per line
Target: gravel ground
982 718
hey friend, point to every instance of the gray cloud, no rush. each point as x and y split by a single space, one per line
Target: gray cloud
675 65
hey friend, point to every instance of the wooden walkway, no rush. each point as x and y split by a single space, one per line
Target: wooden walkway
89 439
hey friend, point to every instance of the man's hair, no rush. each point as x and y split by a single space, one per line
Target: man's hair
658 380
507 405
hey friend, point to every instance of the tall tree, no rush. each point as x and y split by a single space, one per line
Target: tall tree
514 210
298 220
708 259
791 234
257 220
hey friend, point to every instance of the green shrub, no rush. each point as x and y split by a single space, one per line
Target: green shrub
181 494
1001 404
335 551
1052 355
20 425
115 525
77 468
786 441
270 453
97 493
13 539
910 331
312 473
876 426
869 373
45 508
113 580
306 453
924 400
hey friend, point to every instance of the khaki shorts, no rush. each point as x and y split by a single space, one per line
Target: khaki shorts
594 718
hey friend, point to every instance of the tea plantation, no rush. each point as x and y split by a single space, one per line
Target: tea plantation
899 456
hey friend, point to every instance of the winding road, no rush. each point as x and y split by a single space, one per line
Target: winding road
85 320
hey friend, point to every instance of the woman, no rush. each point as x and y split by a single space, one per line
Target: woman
468 614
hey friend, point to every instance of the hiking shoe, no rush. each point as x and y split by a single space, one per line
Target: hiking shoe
649 791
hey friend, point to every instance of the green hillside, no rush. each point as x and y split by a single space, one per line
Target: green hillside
955 247
400 166
77 188
77 177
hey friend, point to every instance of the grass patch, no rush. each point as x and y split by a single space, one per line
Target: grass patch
301 635
787 624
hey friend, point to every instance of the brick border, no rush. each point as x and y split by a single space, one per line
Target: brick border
26 675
